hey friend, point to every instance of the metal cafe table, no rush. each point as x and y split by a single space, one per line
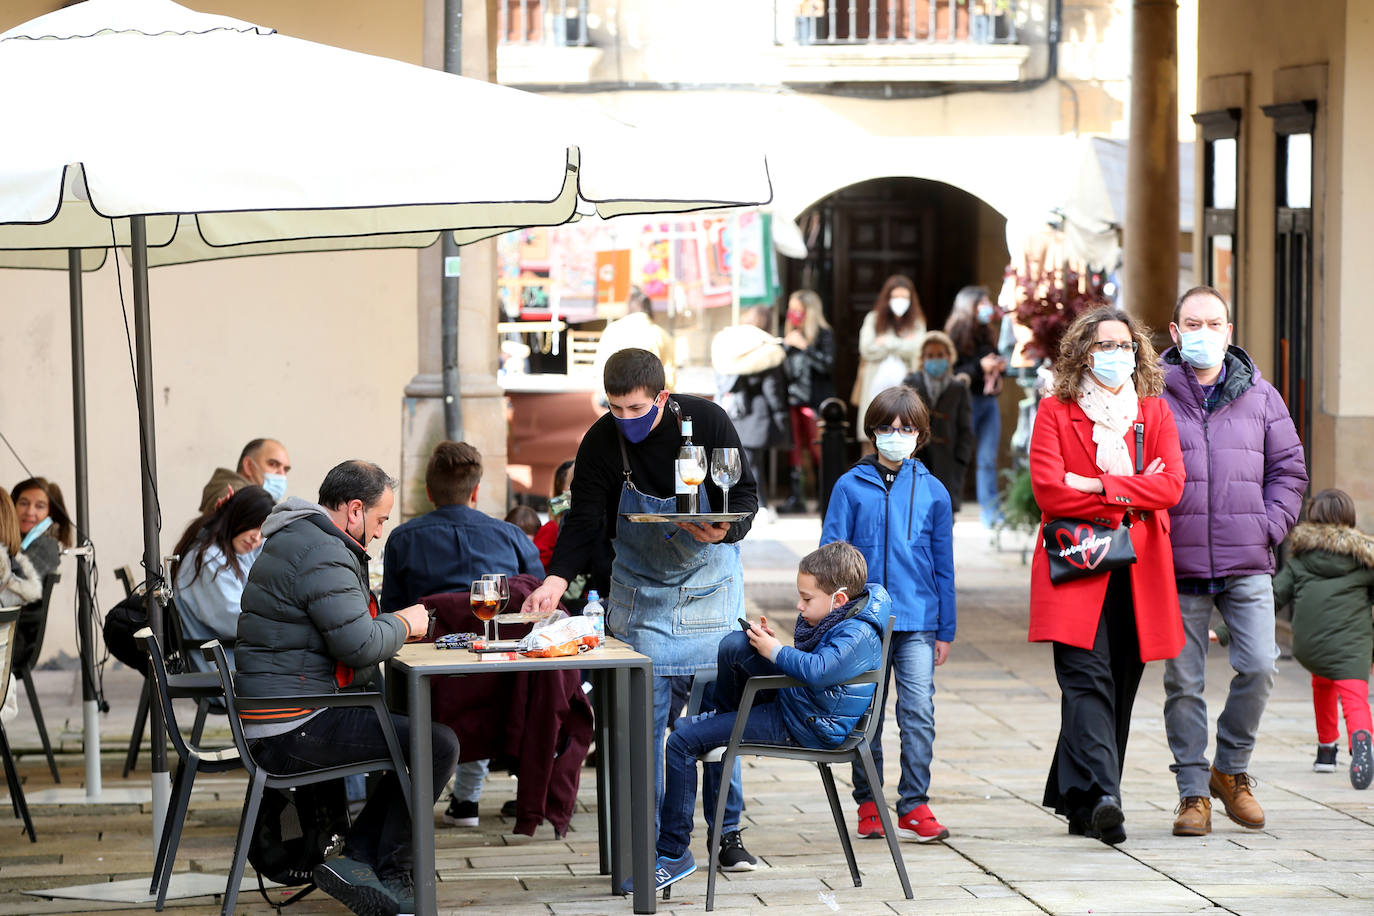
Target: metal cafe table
623 695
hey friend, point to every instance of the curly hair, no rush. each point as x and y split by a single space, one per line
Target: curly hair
1075 355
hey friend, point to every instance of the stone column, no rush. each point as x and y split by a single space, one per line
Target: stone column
1150 256
484 411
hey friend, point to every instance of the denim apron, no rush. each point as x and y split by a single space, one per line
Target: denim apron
672 597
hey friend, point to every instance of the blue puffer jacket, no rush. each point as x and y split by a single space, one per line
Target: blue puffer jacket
907 538
825 712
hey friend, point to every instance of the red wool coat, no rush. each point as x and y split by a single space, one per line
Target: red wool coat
1069 612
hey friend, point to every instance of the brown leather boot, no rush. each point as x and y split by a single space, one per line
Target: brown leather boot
1234 791
1194 816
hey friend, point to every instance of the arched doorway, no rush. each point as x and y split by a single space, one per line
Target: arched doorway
939 235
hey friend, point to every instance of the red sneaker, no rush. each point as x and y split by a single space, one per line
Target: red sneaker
919 824
870 825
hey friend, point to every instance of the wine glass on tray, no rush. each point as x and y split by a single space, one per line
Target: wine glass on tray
486 601
726 471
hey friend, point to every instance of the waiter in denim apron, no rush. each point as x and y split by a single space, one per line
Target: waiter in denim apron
675 589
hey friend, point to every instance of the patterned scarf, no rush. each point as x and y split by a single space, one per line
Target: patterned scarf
807 636
1112 416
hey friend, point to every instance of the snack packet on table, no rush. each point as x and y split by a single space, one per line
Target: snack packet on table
560 637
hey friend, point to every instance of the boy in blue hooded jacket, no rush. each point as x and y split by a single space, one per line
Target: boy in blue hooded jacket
898 515
838 637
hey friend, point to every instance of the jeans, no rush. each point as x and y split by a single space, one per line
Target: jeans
712 729
1354 700
913 665
380 835
468 780
987 431
1247 607
734 802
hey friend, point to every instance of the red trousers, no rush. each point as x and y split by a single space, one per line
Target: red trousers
805 437
1354 699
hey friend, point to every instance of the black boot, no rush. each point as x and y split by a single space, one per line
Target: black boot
795 504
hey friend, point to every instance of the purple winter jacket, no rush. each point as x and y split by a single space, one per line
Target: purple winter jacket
1244 466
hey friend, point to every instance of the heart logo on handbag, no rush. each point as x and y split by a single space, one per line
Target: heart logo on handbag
1081 548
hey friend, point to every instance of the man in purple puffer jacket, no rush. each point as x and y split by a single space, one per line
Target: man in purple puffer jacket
1245 480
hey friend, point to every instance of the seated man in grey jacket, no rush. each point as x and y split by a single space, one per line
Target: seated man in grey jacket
310 626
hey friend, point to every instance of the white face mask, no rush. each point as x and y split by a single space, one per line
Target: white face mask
1202 348
899 306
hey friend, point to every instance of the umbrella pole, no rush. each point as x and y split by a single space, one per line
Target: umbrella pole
85 623
448 302
152 564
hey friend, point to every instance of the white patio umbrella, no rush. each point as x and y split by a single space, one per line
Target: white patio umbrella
256 143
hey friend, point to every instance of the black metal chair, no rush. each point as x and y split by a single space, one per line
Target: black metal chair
854 750
192 759
9 619
259 779
33 624
202 686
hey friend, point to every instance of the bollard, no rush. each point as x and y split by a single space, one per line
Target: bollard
834 424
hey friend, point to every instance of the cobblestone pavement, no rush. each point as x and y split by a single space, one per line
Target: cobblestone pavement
997 716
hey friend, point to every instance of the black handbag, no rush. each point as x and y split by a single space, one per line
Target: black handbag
1078 548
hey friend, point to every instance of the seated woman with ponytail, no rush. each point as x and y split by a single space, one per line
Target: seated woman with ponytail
217 551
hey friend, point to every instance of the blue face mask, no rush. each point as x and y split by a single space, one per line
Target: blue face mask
936 367
635 429
1114 369
275 485
35 533
985 313
1203 348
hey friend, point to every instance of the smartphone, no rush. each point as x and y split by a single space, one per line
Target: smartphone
744 624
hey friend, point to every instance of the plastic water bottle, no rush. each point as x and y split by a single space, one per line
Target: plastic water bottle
596 615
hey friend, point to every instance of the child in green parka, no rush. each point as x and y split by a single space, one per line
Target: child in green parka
1329 578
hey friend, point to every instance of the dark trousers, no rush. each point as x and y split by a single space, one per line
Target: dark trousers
380 835
1098 689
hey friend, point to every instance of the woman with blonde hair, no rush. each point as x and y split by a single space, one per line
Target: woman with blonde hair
810 363
19 583
889 340
1104 452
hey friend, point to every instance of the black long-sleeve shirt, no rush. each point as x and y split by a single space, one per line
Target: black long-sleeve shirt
598 477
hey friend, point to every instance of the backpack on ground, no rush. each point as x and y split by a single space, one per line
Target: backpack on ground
297 829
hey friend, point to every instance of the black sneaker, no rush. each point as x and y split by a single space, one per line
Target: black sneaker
1361 760
461 814
356 886
733 855
1326 758
508 809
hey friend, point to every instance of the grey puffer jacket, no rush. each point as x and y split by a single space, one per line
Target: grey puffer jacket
1244 466
309 623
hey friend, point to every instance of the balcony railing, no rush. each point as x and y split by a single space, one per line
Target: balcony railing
923 22
560 23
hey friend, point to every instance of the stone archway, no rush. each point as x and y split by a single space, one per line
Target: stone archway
940 235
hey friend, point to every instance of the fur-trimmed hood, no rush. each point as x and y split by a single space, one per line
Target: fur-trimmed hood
745 350
1339 540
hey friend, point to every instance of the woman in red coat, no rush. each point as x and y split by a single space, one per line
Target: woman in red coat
1104 627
